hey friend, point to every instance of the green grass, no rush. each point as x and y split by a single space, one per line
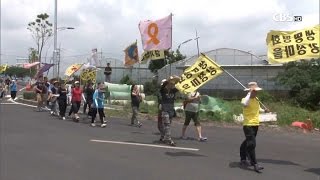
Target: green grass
286 112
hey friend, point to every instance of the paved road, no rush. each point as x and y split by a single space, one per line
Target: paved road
35 146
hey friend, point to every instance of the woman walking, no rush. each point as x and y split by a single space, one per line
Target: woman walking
135 102
98 106
76 94
62 101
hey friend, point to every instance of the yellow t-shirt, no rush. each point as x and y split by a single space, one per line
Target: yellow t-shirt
251 113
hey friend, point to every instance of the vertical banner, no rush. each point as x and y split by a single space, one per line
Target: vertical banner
156 35
131 55
195 76
286 46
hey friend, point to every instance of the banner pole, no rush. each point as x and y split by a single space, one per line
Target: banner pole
237 81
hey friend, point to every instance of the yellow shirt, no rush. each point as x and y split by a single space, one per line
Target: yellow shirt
251 113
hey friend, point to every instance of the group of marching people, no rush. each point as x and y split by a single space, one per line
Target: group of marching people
55 97
7 85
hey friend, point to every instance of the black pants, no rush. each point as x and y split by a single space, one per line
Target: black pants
87 103
62 107
13 94
75 107
248 146
94 114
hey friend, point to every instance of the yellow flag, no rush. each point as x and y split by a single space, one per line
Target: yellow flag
286 46
89 75
152 55
72 69
201 72
3 68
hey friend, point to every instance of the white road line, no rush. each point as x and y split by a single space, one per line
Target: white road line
147 145
21 103
7 103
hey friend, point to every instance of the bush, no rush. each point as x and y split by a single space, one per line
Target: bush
151 88
29 95
126 80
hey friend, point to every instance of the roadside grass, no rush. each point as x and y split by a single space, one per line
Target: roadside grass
286 112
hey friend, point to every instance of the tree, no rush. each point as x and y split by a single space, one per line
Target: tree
17 71
171 57
41 30
33 55
303 79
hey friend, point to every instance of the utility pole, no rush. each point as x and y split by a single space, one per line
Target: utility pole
197 38
55 36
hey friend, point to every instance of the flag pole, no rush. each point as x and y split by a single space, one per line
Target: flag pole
236 80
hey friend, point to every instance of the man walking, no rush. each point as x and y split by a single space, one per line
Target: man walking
251 110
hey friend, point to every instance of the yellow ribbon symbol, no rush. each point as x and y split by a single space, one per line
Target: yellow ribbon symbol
153 37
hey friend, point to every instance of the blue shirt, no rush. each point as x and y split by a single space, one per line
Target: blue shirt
98 99
13 87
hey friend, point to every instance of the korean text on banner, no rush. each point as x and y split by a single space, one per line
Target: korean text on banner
156 35
72 69
89 75
201 72
286 46
152 55
131 55
3 68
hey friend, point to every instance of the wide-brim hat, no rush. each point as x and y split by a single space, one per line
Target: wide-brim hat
194 94
77 82
173 79
253 86
54 82
163 81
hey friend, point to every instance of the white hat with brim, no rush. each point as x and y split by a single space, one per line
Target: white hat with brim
163 81
173 79
253 86
77 82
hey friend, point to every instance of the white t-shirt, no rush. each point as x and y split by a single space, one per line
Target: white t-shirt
193 106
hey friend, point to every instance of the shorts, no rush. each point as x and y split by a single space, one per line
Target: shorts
192 115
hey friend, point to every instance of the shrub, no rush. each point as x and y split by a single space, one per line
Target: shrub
151 88
29 95
126 80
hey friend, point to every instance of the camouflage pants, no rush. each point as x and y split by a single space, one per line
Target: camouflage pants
165 126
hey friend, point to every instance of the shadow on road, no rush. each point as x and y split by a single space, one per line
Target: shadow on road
183 154
279 162
237 165
313 170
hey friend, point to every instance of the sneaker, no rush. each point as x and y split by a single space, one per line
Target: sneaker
244 163
183 138
51 113
170 142
203 139
63 118
103 125
257 168
93 124
139 125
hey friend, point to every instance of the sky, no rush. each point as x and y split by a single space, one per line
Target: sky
111 25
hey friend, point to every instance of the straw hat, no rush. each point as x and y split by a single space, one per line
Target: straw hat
194 94
253 86
163 81
173 79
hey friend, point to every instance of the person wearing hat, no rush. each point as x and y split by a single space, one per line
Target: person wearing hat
53 96
167 98
192 112
160 126
251 110
76 95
